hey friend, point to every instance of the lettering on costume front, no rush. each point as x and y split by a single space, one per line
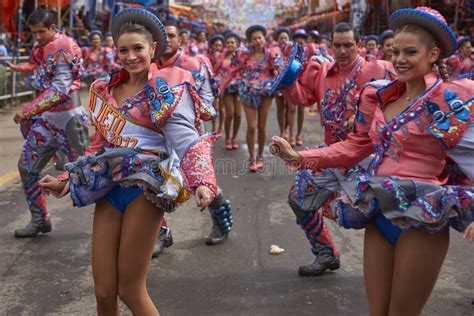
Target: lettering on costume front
110 123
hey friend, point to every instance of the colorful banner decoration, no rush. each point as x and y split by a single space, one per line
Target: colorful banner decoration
249 12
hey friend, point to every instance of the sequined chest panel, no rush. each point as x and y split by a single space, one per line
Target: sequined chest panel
255 69
229 65
338 105
447 122
45 73
261 70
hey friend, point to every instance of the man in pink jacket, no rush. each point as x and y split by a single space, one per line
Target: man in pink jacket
53 121
334 86
200 68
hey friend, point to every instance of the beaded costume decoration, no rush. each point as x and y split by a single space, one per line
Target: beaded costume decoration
163 100
334 105
385 133
449 126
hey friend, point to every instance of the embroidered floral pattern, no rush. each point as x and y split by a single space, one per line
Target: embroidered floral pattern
197 164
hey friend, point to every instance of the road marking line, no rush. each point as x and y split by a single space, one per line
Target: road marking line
8 177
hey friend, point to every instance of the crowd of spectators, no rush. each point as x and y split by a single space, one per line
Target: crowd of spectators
5 42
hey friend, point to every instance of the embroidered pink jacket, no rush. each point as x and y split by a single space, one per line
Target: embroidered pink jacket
104 61
458 65
170 105
201 69
335 89
414 144
266 69
56 65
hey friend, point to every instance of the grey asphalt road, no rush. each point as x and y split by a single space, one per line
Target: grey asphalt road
51 274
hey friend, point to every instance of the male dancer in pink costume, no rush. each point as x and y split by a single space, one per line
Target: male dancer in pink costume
52 121
201 69
334 86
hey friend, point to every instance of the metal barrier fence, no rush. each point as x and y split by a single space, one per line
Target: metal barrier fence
13 84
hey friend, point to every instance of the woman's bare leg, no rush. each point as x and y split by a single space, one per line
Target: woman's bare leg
140 226
237 115
281 113
419 257
299 129
291 122
222 114
378 270
251 114
262 123
228 103
105 246
215 104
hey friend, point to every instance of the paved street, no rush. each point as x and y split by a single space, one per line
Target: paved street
51 274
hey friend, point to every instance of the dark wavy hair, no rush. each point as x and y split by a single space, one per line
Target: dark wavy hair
42 15
346 27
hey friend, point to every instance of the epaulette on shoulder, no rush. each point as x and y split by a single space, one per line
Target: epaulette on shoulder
163 99
451 116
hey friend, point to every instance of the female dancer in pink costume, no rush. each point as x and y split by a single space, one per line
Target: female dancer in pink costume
282 36
420 181
386 45
99 61
147 146
462 62
227 69
216 44
260 68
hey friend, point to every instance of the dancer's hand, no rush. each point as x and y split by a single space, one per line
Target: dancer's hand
19 116
10 66
51 185
350 123
469 232
281 148
204 196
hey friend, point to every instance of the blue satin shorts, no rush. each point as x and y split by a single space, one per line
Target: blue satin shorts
120 197
387 229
